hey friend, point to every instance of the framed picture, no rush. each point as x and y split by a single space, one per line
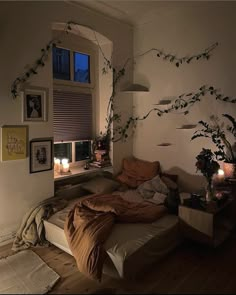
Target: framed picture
14 142
41 155
35 104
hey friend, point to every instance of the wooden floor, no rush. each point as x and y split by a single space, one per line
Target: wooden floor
190 269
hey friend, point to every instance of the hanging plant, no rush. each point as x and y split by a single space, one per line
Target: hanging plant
40 62
183 102
205 54
181 105
33 70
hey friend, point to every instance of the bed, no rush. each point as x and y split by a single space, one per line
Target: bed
131 248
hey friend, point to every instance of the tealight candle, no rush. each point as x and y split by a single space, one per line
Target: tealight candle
64 161
65 167
221 175
57 166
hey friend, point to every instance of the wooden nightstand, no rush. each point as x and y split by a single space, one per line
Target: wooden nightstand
210 225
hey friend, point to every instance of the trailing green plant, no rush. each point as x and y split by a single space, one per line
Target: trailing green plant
40 62
181 60
181 105
33 70
122 132
217 132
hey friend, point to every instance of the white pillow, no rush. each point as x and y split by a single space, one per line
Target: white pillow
159 198
150 187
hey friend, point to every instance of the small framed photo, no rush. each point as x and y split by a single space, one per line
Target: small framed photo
41 155
14 142
35 104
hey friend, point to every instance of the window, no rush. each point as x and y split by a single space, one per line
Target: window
75 151
80 65
61 63
63 150
83 150
72 104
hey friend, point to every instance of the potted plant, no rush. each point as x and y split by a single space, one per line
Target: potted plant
220 135
208 167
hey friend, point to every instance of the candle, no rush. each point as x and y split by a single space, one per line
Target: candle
64 161
65 167
221 175
57 166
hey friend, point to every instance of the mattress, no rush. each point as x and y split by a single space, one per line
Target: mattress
131 247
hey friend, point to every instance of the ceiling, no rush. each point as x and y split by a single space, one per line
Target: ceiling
136 12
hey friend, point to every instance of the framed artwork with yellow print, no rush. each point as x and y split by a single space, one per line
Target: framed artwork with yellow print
14 142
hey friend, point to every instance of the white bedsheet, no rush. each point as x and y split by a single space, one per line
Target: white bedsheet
129 246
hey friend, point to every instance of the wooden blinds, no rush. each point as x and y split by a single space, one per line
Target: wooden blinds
72 119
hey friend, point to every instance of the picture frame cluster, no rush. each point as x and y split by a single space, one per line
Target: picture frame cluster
15 144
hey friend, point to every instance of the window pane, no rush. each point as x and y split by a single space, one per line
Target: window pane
63 150
61 63
82 150
81 67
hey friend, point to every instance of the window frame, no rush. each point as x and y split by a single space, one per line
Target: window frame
74 163
74 43
71 82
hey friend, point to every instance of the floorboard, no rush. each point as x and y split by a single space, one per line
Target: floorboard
190 269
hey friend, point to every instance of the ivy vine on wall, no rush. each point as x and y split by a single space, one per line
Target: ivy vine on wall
183 102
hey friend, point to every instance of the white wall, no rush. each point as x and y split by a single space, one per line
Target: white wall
183 29
26 27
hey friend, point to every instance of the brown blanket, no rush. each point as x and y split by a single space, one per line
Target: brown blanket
90 222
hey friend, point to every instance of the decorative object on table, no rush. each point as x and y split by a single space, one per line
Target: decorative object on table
219 134
14 142
41 155
101 142
101 148
35 104
208 167
86 165
26 273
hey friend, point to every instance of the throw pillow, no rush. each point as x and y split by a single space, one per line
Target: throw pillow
100 185
136 171
148 188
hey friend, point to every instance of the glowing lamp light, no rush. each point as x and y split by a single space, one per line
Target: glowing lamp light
221 172
65 165
64 161
220 175
57 165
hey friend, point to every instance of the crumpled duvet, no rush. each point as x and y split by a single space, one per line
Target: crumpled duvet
31 230
90 222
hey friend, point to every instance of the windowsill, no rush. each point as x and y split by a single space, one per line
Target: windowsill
76 171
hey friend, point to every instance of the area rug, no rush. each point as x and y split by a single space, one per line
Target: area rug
26 273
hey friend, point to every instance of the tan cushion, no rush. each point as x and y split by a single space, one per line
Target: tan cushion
136 171
100 185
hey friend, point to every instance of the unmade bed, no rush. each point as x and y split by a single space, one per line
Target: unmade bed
131 247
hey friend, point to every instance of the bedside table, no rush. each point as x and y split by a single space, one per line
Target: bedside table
210 225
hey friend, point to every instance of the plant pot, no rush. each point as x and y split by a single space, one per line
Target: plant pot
229 170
